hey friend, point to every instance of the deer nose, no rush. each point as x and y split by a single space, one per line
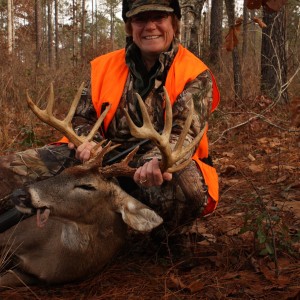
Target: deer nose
21 197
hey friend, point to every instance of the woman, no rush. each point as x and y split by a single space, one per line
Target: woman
153 58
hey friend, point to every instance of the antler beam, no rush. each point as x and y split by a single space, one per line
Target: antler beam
65 126
169 156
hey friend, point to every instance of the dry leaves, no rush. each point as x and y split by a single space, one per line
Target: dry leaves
192 287
231 39
273 5
256 168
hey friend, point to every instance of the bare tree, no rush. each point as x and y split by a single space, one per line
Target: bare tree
237 74
38 30
83 21
10 35
216 31
273 55
245 29
75 31
191 24
56 33
50 34
112 6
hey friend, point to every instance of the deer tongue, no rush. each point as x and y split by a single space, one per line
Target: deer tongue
42 216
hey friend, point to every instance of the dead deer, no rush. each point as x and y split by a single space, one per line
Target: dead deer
81 214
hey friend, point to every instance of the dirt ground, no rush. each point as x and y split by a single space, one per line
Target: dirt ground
247 249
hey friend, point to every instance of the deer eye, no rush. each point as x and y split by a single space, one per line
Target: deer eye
86 187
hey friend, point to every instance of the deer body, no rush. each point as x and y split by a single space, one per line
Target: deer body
85 229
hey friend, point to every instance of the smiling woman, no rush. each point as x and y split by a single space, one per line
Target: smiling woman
153 33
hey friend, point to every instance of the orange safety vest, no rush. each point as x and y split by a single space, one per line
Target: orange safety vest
108 77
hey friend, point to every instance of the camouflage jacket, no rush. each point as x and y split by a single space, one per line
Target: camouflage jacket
150 87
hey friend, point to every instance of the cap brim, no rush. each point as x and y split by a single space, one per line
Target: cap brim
149 7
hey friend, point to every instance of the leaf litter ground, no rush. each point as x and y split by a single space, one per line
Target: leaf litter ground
247 249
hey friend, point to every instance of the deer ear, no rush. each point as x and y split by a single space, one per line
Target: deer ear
139 216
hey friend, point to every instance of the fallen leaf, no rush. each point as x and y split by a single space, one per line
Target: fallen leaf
280 281
256 168
263 140
280 179
229 154
229 170
176 281
251 157
195 286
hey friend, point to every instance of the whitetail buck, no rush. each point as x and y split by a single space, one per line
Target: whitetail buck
81 214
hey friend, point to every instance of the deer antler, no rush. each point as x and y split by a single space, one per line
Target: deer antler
169 156
65 126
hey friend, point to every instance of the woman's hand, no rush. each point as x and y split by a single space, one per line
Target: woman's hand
83 152
150 175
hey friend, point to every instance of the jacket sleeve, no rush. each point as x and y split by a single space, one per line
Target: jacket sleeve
85 116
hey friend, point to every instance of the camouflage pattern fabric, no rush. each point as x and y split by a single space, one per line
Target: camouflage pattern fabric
23 168
138 6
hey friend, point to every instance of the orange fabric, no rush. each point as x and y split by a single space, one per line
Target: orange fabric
109 74
108 77
63 140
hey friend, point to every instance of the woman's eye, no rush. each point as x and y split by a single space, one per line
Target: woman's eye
138 20
86 187
158 18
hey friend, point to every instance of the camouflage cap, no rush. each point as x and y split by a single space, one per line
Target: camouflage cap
134 7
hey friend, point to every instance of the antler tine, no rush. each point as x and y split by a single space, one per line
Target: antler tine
50 102
169 156
147 130
179 153
65 126
98 153
121 168
98 123
69 117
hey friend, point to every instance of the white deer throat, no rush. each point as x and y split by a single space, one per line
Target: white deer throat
73 238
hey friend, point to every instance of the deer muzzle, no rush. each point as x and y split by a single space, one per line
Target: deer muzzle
22 200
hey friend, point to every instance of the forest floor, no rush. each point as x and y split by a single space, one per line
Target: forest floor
247 249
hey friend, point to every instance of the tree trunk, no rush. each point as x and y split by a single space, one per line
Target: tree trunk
237 74
75 33
112 26
253 39
92 30
83 19
38 31
56 34
245 30
273 56
50 34
191 24
10 36
216 31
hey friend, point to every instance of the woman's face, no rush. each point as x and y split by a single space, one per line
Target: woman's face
152 32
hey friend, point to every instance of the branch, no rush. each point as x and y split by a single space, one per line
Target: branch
256 116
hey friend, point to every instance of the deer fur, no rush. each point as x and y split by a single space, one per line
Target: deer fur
87 226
